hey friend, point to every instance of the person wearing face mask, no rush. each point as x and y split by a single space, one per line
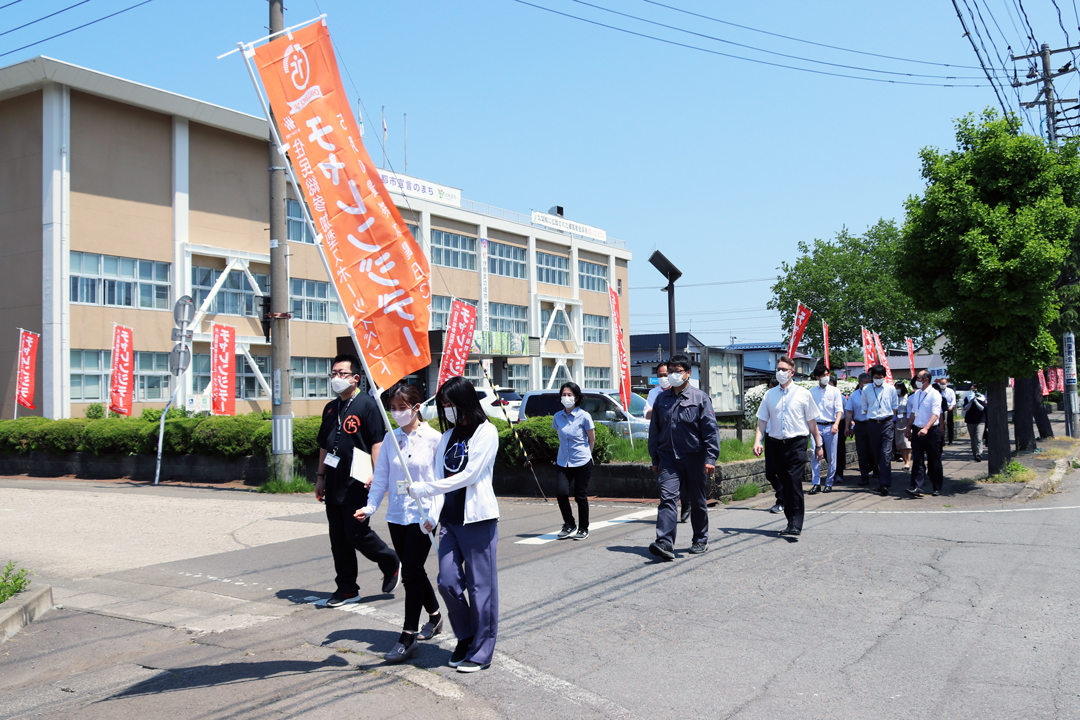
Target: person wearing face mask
924 433
469 522
830 405
662 384
351 423
901 442
856 426
879 405
949 396
577 438
412 543
789 414
684 442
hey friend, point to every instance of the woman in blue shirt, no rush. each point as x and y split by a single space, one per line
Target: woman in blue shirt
577 438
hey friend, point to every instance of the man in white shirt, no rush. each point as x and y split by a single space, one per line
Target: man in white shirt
662 385
790 414
830 405
856 427
924 432
879 404
950 399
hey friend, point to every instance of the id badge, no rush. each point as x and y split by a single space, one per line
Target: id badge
332 460
402 487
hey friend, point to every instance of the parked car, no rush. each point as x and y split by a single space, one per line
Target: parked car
490 399
602 405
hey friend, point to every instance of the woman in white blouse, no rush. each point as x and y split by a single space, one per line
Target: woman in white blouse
412 543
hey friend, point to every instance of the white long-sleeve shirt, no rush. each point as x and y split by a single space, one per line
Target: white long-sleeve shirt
419 450
476 478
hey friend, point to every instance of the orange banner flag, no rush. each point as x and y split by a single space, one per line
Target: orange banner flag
222 370
380 272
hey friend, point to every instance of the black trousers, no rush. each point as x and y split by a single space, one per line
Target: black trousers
412 546
348 535
770 470
841 452
789 459
879 440
928 446
580 476
862 449
950 420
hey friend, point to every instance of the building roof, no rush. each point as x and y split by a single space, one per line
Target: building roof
652 340
35 73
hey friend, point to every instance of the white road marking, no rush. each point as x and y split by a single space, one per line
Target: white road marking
640 515
937 512
239 583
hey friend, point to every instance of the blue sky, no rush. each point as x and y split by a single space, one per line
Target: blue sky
723 164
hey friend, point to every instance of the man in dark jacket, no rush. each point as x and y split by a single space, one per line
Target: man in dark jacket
975 416
684 443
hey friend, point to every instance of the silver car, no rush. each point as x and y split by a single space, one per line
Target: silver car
602 405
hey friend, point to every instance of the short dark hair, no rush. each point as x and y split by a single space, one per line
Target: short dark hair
354 362
773 382
661 365
572 387
680 360
821 370
460 393
786 359
406 392
878 369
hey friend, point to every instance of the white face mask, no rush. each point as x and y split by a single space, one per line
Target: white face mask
451 415
665 382
568 401
339 384
824 380
403 417
878 382
783 377
676 379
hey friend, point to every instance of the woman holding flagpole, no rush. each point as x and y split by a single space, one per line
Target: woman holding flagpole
412 542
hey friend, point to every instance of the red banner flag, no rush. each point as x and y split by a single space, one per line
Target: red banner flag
624 367
222 370
24 385
825 334
377 267
458 341
802 317
882 358
1042 383
868 350
911 355
1060 379
1051 380
121 384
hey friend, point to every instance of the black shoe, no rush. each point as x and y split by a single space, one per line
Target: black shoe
430 629
460 651
978 458
390 581
864 483
685 515
936 493
915 493
567 531
883 491
828 488
662 551
776 509
698 548
790 532
339 598
814 490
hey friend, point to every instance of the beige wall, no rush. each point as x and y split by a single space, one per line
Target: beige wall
457 283
20 237
229 190
441 223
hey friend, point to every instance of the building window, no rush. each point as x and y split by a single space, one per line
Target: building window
152 376
562 376
119 281
592 276
559 329
236 296
506 260
474 374
597 378
296 228
440 310
552 269
597 329
314 301
310 377
517 377
414 230
508 318
90 370
452 250
248 386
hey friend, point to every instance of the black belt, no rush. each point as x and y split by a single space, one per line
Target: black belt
881 421
803 438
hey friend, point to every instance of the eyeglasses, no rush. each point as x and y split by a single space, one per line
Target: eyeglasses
341 374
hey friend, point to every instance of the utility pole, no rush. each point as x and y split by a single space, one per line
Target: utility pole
280 352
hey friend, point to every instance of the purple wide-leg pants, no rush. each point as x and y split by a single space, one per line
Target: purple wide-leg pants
467 562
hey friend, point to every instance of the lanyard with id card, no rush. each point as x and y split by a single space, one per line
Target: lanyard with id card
332 458
406 451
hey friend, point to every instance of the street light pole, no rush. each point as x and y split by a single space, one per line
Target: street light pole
672 273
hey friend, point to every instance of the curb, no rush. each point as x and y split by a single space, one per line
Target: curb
1038 488
28 607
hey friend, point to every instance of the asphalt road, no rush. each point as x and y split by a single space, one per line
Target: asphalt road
957 607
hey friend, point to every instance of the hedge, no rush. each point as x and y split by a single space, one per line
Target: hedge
541 442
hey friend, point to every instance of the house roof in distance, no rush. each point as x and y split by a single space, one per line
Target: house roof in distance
651 341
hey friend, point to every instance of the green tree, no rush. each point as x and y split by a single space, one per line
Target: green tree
986 243
850 282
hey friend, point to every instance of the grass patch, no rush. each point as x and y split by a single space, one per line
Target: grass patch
745 491
296 484
12 581
622 452
1014 472
731 450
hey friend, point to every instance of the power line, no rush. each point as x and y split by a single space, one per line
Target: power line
739 57
705 312
974 47
707 284
14 2
43 17
80 27
769 52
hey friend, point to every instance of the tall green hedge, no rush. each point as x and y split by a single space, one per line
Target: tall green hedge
541 442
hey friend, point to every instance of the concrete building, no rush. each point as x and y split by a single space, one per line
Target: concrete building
119 198
648 351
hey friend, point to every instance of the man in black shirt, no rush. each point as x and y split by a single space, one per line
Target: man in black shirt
351 423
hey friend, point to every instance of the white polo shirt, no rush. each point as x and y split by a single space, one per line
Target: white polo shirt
829 401
789 411
923 405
